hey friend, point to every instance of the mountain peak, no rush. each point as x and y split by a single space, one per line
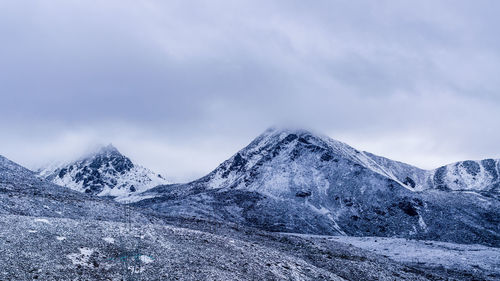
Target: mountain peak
105 172
276 139
108 149
275 135
274 131
307 151
294 180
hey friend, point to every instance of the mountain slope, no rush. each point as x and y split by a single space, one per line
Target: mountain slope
50 232
104 173
23 193
68 249
479 176
295 181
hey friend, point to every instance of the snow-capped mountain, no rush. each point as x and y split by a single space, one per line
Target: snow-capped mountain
478 176
23 193
297 181
104 173
50 232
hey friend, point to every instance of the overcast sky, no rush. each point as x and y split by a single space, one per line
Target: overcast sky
179 86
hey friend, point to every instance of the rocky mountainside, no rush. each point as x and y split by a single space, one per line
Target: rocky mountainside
104 173
477 176
481 176
38 248
23 193
50 232
296 181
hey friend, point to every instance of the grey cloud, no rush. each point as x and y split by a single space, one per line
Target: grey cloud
185 73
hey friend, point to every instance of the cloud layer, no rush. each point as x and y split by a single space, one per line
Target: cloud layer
181 85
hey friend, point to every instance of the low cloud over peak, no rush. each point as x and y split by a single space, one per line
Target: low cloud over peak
197 80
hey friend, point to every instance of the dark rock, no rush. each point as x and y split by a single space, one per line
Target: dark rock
409 181
62 172
471 167
303 194
408 208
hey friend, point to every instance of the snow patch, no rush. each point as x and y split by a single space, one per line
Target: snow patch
82 258
422 224
109 240
146 259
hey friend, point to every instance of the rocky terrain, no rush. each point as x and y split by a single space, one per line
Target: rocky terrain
290 206
69 249
53 233
297 181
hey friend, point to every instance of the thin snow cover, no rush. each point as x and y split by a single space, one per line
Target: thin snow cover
109 240
60 238
433 254
430 253
82 258
42 220
131 198
13 171
274 186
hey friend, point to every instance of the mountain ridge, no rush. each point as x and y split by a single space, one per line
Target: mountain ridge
105 172
316 192
50 232
296 181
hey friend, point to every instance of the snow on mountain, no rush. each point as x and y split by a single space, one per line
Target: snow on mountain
410 176
285 145
38 221
479 176
104 173
297 181
50 232
23 193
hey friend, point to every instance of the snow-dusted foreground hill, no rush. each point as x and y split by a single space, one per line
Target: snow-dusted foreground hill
47 248
49 232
